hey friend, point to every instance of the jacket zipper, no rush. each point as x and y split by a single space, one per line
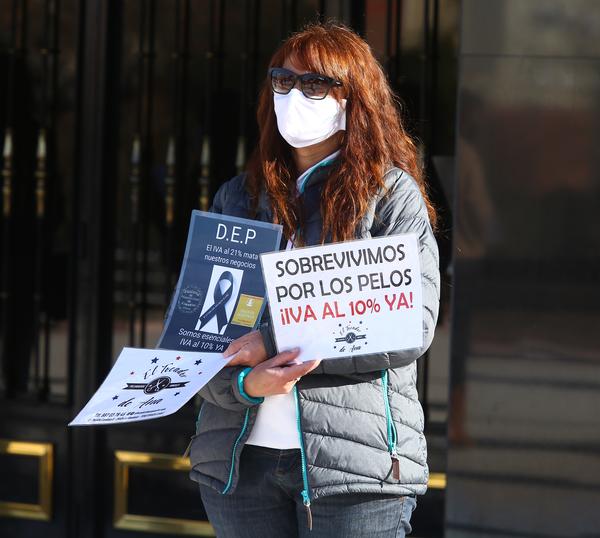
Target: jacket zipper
199 415
305 493
392 436
320 165
235 445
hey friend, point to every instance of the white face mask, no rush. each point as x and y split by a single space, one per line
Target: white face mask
303 122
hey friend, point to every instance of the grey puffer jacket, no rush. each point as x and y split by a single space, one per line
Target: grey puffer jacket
356 415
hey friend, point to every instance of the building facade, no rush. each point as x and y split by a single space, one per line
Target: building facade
118 118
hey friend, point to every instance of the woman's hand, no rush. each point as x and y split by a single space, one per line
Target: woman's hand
250 350
277 375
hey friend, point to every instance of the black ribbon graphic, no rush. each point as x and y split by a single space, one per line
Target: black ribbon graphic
220 298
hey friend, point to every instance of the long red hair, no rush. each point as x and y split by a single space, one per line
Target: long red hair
374 138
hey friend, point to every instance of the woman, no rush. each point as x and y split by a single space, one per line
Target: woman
336 447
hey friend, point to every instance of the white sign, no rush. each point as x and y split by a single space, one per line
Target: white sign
149 383
343 299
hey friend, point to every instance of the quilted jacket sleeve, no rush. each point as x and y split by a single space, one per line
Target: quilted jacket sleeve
401 210
222 390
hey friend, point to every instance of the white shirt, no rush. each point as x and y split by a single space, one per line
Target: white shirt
276 421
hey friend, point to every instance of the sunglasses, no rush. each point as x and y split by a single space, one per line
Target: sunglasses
312 85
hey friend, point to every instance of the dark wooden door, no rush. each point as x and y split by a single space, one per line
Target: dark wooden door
117 119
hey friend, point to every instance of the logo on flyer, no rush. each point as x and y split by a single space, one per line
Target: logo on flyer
350 337
156 385
190 299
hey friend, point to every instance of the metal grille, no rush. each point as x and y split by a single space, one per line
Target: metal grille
37 91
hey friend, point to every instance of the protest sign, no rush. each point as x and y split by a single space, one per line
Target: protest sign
220 294
344 299
145 384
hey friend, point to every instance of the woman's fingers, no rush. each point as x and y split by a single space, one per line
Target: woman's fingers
243 356
282 358
247 350
234 346
313 364
298 370
277 375
267 378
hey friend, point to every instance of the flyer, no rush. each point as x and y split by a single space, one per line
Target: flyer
145 384
220 294
343 299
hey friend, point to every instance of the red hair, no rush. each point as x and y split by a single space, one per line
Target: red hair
374 138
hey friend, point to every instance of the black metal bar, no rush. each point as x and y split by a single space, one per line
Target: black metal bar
39 193
204 183
169 212
12 53
423 92
434 71
184 73
427 116
294 16
181 149
428 69
45 52
387 62
240 158
434 56
135 179
322 10
23 30
357 16
7 196
424 135
53 54
220 64
209 71
93 232
145 163
147 156
175 152
140 66
141 162
284 18
172 145
175 52
134 211
254 48
7 181
41 332
40 217
398 54
245 65
204 180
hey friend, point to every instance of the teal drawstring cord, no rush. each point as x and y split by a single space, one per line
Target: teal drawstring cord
235 445
305 493
392 435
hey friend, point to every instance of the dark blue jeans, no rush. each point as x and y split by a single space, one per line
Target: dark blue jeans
267 504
